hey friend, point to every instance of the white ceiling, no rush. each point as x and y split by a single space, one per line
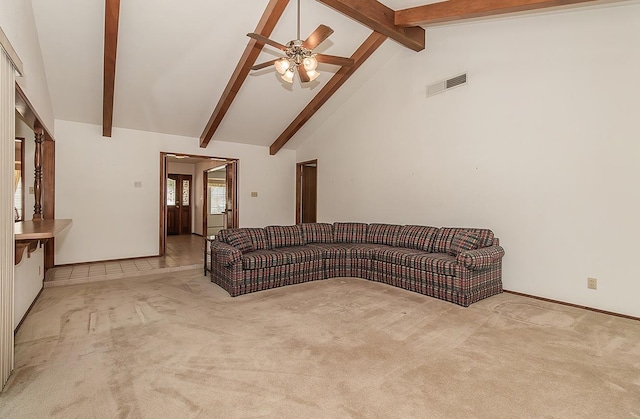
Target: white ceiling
175 58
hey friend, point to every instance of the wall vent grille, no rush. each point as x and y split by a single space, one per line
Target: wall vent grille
443 85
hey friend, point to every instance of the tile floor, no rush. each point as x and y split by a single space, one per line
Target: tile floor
183 252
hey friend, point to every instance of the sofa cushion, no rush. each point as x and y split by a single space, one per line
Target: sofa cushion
317 232
239 238
439 263
383 234
463 241
263 259
395 255
283 236
347 250
349 232
444 237
417 237
299 254
258 238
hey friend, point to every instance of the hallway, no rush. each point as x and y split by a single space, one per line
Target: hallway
183 252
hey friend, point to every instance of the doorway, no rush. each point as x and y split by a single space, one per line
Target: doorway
183 197
219 196
306 191
179 204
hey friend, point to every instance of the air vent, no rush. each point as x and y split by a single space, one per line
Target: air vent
441 86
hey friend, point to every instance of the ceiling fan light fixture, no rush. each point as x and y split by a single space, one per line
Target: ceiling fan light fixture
288 76
282 65
310 63
313 74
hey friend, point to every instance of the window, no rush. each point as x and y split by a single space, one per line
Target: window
171 192
217 196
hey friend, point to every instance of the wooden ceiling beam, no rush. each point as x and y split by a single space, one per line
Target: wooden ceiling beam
267 23
380 18
453 10
360 56
111 19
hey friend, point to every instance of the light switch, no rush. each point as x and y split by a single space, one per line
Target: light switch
254 194
137 184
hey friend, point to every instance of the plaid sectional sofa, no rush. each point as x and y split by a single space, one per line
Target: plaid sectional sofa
460 265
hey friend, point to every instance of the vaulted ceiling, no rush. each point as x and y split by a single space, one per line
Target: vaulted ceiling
178 65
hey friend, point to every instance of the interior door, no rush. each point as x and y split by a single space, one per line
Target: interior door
306 192
309 195
178 204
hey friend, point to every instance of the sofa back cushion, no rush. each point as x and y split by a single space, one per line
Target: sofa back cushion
442 243
349 232
383 234
417 237
284 236
317 232
259 238
463 241
238 238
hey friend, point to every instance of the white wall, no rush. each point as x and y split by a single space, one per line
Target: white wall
542 146
111 219
18 23
29 274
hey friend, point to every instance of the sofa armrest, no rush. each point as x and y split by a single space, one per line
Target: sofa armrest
481 258
224 254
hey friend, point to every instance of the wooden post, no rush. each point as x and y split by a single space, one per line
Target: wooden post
37 183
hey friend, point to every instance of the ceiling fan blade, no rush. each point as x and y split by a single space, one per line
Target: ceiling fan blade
332 59
321 33
304 77
266 40
264 65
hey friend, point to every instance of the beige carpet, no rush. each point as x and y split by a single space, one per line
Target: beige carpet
175 345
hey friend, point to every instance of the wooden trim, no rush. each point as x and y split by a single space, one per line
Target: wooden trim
205 201
267 23
610 313
454 10
360 56
299 192
11 53
111 20
163 207
381 19
49 197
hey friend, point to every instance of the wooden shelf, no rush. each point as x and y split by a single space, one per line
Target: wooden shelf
27 234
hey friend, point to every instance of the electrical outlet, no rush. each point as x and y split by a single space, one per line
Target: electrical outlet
592 283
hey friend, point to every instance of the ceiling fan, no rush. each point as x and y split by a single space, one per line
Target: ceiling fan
300 55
